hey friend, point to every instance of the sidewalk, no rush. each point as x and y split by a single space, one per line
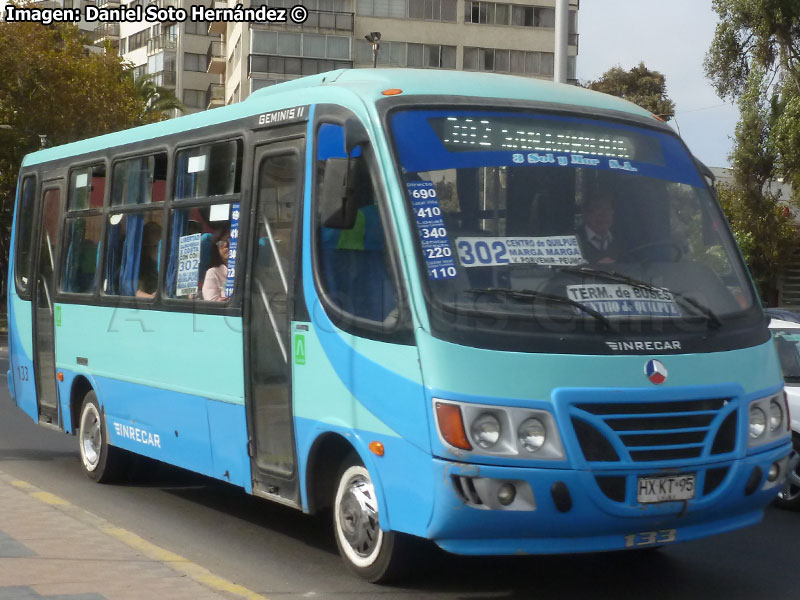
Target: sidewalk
53 550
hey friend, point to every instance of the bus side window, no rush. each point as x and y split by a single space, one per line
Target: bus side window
203 245
82 228
24 231
352 263
82 254
134 237
133 254
203 240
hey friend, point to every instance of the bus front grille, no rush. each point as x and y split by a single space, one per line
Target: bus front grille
661 430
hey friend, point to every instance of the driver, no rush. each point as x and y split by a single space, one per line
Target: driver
596 237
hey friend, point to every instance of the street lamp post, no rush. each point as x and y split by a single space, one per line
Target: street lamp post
374 38
42 136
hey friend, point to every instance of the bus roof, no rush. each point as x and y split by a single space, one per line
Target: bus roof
367 84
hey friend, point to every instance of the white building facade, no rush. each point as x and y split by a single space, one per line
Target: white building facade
216 63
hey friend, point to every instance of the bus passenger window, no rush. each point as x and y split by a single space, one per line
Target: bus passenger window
25 231
208 170
133 254
82 253
87 187
202 252
352 263
139 180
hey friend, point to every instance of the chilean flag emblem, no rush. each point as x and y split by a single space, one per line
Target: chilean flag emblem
656 371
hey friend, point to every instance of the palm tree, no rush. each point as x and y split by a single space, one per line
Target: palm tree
156 101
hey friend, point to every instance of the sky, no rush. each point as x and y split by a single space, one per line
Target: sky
672 37
669 36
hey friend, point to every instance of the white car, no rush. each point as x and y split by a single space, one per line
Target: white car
787 340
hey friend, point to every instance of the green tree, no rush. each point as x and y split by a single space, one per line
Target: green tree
640 85
52 85
754 59
157 101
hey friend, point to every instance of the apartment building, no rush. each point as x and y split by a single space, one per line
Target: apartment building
216 63
173 54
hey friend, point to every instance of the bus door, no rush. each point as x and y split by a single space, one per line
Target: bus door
44 316
277 188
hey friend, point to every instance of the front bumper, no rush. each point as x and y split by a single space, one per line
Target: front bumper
593 521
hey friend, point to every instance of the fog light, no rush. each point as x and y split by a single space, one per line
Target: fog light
774 472
758 422
506 494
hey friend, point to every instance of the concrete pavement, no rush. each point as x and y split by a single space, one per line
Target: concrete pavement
51 549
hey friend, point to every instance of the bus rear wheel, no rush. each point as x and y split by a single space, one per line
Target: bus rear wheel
367 550
101 462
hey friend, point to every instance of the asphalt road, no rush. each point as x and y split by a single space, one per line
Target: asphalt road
281 553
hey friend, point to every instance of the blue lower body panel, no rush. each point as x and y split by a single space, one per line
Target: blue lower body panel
200 434
593 522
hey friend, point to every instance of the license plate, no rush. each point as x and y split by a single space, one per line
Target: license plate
665 489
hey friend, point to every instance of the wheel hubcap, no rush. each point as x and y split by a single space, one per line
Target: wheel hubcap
91 438
358 516
791 489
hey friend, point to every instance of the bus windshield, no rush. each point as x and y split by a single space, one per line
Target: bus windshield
525 217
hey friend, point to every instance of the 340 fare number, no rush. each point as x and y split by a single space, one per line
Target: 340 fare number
433 233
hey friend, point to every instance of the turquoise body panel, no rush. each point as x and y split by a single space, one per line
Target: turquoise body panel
126 344
494 374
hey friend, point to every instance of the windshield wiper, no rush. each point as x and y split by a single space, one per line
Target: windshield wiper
524 295
712 318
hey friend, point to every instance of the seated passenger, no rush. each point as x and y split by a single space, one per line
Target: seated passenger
148 265
217 273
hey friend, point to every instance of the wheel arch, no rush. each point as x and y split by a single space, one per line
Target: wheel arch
325 458
80 387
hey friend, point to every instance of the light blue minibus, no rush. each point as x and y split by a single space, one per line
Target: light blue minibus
501 314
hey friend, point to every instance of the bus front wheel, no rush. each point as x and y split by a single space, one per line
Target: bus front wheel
367 550
789 496
102 463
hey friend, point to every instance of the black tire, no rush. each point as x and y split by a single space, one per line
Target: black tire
789 496
101 462
373 554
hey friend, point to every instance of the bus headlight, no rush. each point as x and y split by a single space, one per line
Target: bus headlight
485 430
532 434
775 415
758 422
467 428
768 420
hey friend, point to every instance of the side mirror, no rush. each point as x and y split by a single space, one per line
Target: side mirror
337 203
354 135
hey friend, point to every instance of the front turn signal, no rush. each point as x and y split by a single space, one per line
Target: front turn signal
451 424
